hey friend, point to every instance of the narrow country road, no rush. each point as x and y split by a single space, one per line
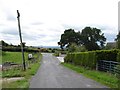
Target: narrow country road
53 75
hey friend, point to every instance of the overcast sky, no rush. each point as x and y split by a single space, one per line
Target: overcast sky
43 21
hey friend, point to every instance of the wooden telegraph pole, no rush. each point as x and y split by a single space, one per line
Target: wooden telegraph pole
23 57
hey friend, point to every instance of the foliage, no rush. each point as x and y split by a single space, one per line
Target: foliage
72 48
76 48
110 55
118 40
89 59
33 67
91 38
118 76
118 57
13 57
86 59
118 36
3 43
56 53
18 49
118 43
104 78
69 37
82 48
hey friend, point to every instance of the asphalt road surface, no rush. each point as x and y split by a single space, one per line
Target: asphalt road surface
53 75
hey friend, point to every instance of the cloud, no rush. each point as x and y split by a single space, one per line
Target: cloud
110 37
37 23
10 31
72 26
10 17
45 21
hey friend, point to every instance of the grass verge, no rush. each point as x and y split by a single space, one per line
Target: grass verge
102 77
24 83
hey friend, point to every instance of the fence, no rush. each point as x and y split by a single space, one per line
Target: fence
108 66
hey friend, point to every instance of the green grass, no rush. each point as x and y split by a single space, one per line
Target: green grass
16 84
13 57
102 77
0 56
30 71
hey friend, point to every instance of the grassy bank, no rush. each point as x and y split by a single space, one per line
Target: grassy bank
31 70
102 77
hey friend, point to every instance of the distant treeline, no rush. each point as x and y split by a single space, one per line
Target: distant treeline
16 48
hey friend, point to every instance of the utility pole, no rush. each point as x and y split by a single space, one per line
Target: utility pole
23 57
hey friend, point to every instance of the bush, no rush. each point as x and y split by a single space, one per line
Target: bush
118 57
110 55
72 48
56 54
75 48
118 76
89 59
86 59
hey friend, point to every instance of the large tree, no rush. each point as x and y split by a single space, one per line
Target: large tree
118 40
3 43
69 37
92 38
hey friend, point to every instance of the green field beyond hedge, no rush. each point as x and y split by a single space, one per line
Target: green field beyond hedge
15 57
89 59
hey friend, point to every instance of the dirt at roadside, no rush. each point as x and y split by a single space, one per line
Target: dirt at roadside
10 79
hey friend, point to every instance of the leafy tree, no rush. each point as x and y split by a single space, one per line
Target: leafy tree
73 48
92 38
76 48
69 37
4 43
118 40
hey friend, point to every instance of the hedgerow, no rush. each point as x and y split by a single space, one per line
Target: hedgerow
89 59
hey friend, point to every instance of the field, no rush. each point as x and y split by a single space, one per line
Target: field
16 57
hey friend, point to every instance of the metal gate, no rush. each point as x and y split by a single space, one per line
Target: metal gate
108 66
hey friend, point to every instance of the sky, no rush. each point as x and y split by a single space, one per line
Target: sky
43 21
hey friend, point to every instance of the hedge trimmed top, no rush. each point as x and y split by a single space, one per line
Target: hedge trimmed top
89 59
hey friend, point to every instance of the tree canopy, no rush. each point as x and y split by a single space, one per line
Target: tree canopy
118 40
69 37
91 38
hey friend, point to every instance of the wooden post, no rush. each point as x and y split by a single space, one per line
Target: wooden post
23 57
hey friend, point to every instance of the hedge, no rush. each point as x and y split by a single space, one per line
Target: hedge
89 59
118 57
18 49
110 55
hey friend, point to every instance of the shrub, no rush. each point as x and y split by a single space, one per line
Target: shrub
118 57
86 59
72 48
56 54
89 59
110 55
